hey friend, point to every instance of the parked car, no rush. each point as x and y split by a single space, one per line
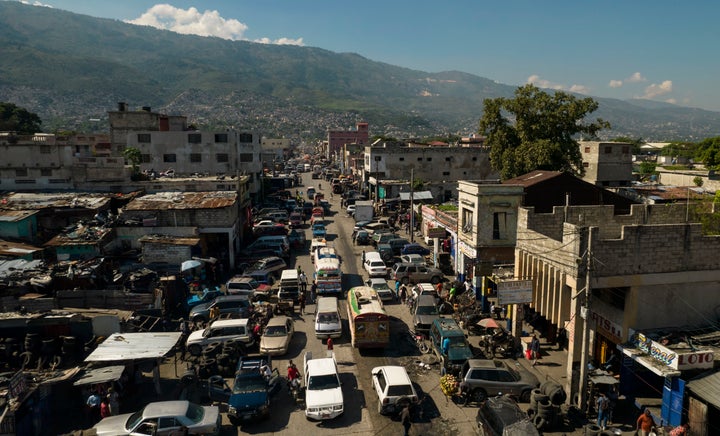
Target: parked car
318 230
323 392
221 331
397 245
492 377
501 416
239 285
424 312
251 392
412 273
350 210
412 258
206 296
238 305
382 236
163 417
381 287
393 388
277 335
296 219
362 238
414 248
272 264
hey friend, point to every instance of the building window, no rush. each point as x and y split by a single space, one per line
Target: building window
46 172
467 220
402 159
448 159
145 158
25 181
246 157
195 157
586 164
44 149
608 149
169 158
222 157
446 173
245 137
615 297
626 149
587 149
194 138
221 137
429 159
419 159
143 138
21 172
499 225
474 158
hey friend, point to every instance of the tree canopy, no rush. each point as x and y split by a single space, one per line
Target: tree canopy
17 119
536 130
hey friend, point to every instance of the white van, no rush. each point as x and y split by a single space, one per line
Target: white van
328 323
289 285
374 264
274 238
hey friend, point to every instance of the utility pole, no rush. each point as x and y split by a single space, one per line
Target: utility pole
412 210
585 314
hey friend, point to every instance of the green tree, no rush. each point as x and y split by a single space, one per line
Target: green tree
698 181
17 119
133 155
541 133
708 151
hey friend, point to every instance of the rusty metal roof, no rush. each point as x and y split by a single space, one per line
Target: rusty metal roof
8 248
184 200
36 201
532 178
12 216
170 240
82 235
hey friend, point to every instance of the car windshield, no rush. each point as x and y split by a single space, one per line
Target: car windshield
249 383
275 331
399 390
195 413
457 342
320 382
134 419
426 310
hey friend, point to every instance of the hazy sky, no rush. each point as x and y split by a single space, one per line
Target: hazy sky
660 50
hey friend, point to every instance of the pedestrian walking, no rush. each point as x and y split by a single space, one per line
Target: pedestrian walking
405 419
602 404
535 350
397 288
303 281
403 294
301 301
330 345
114 401
363 257
313 291
645 423
104 408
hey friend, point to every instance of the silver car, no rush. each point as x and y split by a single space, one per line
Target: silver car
163 417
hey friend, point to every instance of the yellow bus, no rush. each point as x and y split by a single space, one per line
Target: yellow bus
369 323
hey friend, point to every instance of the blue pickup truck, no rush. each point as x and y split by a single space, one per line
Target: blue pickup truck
250 396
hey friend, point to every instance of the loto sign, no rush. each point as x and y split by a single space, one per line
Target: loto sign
674 360
515 292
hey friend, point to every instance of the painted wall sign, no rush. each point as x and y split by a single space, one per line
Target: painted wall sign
690 360
609 328
514 292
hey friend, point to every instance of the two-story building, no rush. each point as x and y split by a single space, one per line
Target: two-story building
607 164
337 138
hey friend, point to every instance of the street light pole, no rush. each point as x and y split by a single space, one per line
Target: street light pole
377 179
582 394
412 210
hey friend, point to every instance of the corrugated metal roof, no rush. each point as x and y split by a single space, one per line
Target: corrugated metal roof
36 201
100 375
707 388
184 200
12 216
420 195
131 346
16 248
532 178
170 240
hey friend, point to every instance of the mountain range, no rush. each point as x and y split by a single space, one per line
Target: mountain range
71 69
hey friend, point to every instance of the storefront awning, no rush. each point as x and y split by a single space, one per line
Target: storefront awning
706 388
100 375
134 346
648 362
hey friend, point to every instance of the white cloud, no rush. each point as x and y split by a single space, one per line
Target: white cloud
542 83
615 83
193 22
671 100
655 89
635 78
36 3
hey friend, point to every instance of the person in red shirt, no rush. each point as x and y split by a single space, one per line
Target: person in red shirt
645 423
292 372
104 408
330 344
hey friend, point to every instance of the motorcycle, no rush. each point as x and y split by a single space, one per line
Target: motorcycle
297 392
498 345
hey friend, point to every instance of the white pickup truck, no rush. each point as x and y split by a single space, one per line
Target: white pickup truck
323 393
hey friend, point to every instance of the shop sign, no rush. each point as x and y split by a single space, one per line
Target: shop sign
514 292
698 359
611 329
436 232
467 250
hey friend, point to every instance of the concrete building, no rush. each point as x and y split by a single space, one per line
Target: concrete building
607 163
124 122
225 153
278 147
439 168
336 139
626 273
211 216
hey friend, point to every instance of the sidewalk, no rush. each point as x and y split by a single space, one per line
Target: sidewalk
553 367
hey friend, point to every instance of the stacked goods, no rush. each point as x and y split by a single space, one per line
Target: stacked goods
545 404
448 385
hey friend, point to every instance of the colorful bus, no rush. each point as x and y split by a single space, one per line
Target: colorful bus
328 276
369 323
